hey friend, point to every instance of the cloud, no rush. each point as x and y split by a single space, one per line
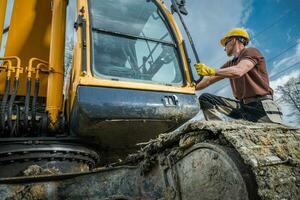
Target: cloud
283 80
209 20
289 115
288 61
247 12
286 68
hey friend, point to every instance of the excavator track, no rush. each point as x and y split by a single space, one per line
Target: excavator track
271 153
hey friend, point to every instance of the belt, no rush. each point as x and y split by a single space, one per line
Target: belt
257 99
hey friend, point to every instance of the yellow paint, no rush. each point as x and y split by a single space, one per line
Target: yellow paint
12 64
88 38
3 5
76 71
29 36
93 81
180 40
36 66
56 62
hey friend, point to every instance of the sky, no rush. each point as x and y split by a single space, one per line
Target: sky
274 28
6 24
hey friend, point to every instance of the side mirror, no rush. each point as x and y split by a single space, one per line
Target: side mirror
180 6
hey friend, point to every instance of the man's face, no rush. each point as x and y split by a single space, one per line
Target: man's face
229 44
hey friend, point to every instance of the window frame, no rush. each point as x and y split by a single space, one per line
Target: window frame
130 36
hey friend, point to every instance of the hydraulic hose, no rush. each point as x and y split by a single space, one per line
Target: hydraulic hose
3 103
27 102
11 102
15 126
35 95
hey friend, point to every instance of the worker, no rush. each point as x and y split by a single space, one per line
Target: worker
249 83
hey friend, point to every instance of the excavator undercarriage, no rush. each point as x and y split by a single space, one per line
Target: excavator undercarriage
201 160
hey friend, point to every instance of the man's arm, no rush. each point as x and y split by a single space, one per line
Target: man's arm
207 82
236 71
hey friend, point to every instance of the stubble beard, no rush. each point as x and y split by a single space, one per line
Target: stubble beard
229 52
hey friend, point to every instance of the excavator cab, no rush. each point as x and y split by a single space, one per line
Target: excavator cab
113 72
133 78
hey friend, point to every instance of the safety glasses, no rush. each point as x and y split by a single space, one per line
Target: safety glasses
229 40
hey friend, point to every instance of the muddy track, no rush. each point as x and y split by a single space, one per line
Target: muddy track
271 152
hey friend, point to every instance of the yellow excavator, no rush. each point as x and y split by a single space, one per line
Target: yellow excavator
83 81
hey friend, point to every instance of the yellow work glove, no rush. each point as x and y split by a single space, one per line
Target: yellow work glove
204 70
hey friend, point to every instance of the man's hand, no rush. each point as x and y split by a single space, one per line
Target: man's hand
204 70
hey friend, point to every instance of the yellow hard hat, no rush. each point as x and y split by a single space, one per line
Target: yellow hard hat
235 32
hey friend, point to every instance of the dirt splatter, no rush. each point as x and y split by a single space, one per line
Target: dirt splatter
272 151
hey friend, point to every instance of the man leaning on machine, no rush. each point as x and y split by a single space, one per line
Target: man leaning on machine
249 83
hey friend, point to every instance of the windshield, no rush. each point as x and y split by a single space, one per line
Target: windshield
131 41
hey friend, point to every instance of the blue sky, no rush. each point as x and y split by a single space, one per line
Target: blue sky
274 27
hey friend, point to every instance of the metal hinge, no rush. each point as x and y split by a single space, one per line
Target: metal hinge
81 22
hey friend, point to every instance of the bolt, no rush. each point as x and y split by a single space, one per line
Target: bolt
215 156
